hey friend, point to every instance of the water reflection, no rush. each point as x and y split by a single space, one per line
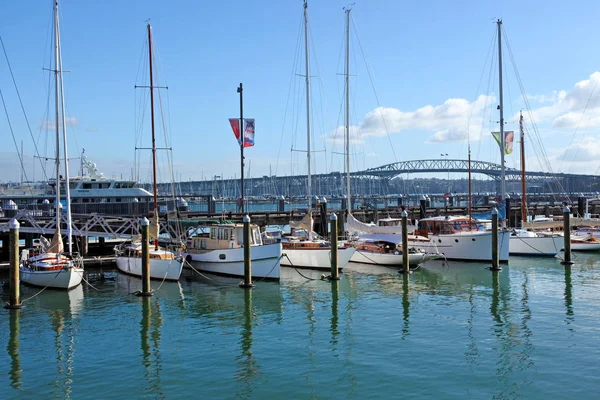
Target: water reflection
335 297
248 369
150 332
405 304
570 318
13 349
166 289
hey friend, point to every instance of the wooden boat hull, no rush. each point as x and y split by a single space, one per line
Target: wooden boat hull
315 257
543 246
66 278
265 261
160 269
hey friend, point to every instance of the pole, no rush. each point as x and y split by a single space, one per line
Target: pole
247 283
501 106
307 78
523 184
146 291
57 117
347 74
15 297
333 238
153 135
405 261
469 202
495 262
567 231
240 90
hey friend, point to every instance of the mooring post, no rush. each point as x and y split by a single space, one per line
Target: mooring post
146 291
323 218
422 207
333 239
567 230
405 261
495 262
281 205
247 283
15 296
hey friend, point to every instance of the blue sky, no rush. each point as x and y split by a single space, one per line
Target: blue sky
426 61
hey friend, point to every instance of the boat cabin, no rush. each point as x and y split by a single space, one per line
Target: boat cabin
447 226
223 236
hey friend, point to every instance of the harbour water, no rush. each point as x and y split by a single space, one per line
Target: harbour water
446 331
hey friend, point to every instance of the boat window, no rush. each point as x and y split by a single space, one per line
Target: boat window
240 236
213 233
87 185
255 236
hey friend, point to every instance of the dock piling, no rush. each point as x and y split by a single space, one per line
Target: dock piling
146 291
495 261
15 296
247 283
405 261
333 239
567 238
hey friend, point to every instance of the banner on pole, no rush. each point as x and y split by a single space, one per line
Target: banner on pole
248 130
508 140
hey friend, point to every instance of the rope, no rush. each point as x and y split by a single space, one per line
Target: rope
274 265
29 298
296 269
196 271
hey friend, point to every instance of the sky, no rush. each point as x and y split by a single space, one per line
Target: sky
424 83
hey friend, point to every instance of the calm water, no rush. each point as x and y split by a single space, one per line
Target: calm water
457 331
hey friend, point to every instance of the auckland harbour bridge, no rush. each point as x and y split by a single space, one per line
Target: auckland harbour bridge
400 177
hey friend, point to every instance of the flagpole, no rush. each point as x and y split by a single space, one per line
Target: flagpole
240 91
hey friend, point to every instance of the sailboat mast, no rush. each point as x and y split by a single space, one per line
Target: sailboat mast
502 140
469 196
523 184
64 133
153 136
56 117
307 77
240 90
347 136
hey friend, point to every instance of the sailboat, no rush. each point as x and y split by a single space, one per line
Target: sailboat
164 264
379 244
463 237
49 265
307 252
525 242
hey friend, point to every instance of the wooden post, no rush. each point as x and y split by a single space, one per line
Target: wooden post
495 262
567 231
247 283
405 261
146 291
15 296
333 239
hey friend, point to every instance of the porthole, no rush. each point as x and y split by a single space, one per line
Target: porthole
473 239
456 240
440 240
222 256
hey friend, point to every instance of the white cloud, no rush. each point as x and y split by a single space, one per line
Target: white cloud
50 125
449 121
586 151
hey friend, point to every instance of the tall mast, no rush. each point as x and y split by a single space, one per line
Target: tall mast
153 136
347 136
469 197
64 132
240 90
501 106
307 77
56 117
523 184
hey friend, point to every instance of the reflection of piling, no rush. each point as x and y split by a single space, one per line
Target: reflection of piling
15 296
14 351
495 295
247 261
335 295
333 238
145 259
568 291
405 261
495 261
405 302
567 238
145 328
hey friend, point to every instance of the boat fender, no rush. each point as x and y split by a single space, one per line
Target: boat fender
188 258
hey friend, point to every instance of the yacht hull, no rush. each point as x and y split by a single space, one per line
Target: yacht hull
265 261
466 246
169 270
543 246
315 258
66 278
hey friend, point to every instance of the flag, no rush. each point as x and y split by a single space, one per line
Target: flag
508 140
248 130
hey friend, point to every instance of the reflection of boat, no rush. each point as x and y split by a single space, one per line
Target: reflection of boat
48 265
164 264
132 284
221 251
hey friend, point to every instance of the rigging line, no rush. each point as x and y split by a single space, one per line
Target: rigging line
37 153
374 91
484 116
536 137
13 137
